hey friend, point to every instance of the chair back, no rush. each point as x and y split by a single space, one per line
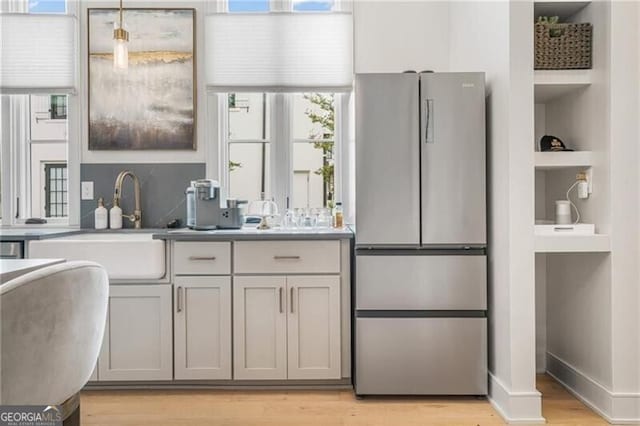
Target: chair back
53 321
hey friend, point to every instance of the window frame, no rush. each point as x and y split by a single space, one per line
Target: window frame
281 140
282 144
11 166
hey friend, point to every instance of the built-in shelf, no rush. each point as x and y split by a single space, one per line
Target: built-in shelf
550 84
563 159
572 243
564 9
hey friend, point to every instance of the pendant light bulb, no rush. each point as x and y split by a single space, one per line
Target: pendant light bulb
120 45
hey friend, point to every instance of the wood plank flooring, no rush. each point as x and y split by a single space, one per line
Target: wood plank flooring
326 408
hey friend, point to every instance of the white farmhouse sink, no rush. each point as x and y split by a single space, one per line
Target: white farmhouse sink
125 256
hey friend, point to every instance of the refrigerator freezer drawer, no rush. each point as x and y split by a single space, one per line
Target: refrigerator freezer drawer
421 282
421 356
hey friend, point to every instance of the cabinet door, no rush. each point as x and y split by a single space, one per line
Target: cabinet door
313 327
137 339
259 328
202 324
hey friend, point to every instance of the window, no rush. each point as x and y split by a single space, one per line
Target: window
313 5
58 110
34 141
284 146
55 189
36 156
313 150
47 6
249 146
248 5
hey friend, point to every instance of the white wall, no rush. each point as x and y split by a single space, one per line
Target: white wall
396 36
625 228
488 36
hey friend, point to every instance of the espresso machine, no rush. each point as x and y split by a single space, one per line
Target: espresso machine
204 207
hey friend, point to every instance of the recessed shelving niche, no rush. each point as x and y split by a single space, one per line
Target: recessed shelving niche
564 159
572 243
564 9
551 84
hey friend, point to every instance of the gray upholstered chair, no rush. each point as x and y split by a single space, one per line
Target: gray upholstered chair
53 322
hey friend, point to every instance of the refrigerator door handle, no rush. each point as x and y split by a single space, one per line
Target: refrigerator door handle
428 134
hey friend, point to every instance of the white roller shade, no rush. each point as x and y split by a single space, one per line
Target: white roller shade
288 52
37 53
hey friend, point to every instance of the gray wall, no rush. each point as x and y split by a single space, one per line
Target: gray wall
162 187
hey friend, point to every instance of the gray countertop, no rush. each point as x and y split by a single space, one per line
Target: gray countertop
255 234
249 233
36 233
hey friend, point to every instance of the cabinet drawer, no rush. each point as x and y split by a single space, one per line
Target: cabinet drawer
421 282
283 257
202 258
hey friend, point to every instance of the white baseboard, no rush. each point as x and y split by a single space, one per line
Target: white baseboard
614 407
515 407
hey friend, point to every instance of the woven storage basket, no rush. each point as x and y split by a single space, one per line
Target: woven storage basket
570 49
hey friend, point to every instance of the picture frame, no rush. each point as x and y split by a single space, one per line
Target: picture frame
153 104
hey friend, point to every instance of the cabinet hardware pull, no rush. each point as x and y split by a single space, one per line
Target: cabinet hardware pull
286 257
428 134
202 258
179 301
291 299
280 298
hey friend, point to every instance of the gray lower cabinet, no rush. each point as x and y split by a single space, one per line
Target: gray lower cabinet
313 327
137 341
259 327
287 327
202 327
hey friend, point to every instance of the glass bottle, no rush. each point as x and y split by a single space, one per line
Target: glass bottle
338 216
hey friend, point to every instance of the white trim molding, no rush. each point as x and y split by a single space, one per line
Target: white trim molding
615 407
515 407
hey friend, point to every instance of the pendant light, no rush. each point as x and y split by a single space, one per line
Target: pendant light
120 41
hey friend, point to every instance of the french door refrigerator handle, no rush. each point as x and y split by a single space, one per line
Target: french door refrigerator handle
429 110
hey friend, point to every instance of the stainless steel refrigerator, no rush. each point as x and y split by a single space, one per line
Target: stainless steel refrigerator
421 266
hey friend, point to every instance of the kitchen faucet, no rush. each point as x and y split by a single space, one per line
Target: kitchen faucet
136 217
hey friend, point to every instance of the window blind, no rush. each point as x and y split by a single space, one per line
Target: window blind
37 53
279 52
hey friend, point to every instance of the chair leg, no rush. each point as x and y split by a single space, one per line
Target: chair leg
71 411
73 419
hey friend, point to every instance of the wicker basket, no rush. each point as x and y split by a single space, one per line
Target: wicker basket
562 46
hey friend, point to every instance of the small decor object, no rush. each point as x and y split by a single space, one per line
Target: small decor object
561 46
563 212
552 143
100 215
148 103
115 216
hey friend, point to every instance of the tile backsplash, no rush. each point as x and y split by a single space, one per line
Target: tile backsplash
162 187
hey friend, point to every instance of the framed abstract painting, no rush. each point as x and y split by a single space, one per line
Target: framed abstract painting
152 104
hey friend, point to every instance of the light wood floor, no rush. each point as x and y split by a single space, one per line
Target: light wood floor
301 408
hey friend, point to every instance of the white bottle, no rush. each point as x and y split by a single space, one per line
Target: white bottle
100 215
115 216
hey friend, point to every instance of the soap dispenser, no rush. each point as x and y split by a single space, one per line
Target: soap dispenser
100 215
115 216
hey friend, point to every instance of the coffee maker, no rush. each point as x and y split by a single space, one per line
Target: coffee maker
204 208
